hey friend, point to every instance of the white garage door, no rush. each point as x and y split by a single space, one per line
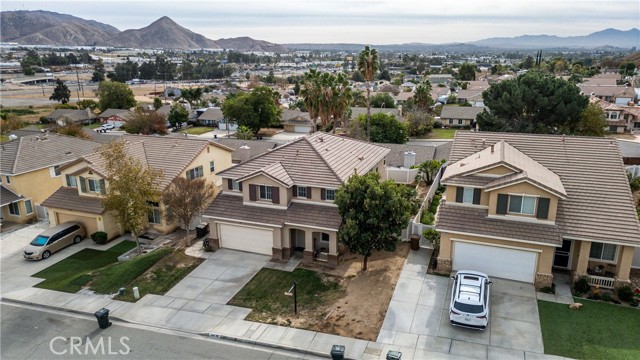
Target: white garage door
246 239
495 261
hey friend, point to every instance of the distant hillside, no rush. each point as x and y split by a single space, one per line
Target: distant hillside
162 33
50 28
248 44
419 47
608 37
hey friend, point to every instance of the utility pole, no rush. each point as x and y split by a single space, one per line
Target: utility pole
78 79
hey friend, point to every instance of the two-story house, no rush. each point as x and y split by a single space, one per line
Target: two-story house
84 180
519 206
282 201
30 170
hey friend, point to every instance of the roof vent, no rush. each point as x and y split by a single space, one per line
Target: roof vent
320 138
68 152
361 158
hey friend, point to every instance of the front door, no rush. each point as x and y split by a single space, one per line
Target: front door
563 254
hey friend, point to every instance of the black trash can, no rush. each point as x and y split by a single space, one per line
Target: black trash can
202 230
337 352
103 318
394 355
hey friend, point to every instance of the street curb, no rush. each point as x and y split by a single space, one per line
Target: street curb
271 345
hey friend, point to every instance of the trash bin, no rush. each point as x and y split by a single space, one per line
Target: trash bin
202 230
415 242
394 355
337 352
103 318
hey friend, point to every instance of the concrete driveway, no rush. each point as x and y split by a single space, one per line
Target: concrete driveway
418 317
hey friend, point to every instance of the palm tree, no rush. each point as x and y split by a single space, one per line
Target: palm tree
358 99
310 92
422 97
368 65
342 97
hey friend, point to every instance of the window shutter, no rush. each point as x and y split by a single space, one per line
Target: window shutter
275 195
543 208
459 194
240 186
68 180
295 191
503 201
103 189
476 196
229 184
252 192
308 192
323 194
83 184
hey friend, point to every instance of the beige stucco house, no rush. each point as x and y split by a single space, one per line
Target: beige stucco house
84 182
521 206
282 201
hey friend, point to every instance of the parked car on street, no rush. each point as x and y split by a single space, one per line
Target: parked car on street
107 127
54 239
470 296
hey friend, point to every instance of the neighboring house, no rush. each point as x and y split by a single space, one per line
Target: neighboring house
440 94
244 150
403 97
357 111
517 210
473 97
600 82
402 157
407 87
211 117
117 117
477 85
440 79
31 170
620 95
62 116
281 202
296 121
619 117
459 116
84 180
164 110
630 151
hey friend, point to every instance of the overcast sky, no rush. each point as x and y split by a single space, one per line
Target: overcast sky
357 21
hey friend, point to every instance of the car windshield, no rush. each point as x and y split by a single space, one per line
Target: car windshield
40 241
468 308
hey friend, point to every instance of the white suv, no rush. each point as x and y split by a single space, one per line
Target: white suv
107 127
470 300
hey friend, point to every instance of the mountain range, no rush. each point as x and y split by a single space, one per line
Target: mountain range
50 28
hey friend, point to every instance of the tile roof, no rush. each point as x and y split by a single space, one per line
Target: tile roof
618 91
478 85
7 196
443 151
465 219
599 205
460 112
230 207
73 115
470 94
34 152
244 150
214 114
320 159
290 114
68 198
600 82
395 157
470 180
275 171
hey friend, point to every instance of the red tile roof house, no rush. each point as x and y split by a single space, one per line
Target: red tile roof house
520 206
282 201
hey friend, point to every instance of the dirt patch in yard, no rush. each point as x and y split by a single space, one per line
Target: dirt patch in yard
361 311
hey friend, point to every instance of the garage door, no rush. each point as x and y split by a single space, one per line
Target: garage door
245 238
90 224
495 261
302 129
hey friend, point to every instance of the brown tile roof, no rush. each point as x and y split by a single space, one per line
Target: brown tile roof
600 82
294 115
275 171
34 152
599 204
320 159
617 91
67 198
244 150
470 94
460 112
470 220
469 180
7 196
443 151
230 207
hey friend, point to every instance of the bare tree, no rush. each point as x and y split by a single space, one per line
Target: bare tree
185 199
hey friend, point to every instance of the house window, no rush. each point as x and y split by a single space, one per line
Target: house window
459 121
72 181
602 251
302 192
14 209
195 173
154 213
28 206
450 121
8 179
235 186
520 204
330 194
212 167
613 115
467 195
265 192
94 185
56 170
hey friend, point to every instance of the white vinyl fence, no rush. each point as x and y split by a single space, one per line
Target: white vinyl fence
415 226
402 175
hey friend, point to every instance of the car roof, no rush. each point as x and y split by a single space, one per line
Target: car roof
53 230
471 287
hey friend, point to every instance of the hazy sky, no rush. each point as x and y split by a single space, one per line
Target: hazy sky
358 21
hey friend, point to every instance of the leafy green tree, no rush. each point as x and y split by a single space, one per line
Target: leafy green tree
368 65
384 75
131 185
187 199
72 129
192 95
428 170
373 214
254 110
467 72
178 115
97 76
357 76
358 99
244 133
115 95
125 71
592 121
148 70
61 92
628 68
165 69
419 123
87 104
157 103
270 78
532 103
385 128
382 100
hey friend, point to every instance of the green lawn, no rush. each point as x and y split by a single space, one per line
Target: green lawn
265 292
597 331
69 274
93 126
442 133
197 130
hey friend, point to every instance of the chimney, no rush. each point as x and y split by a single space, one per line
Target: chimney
409 159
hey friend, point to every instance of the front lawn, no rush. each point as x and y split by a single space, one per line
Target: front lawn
197 130
93 126
597 331
69 274
441 133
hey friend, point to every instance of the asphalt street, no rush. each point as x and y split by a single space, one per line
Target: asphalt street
29 333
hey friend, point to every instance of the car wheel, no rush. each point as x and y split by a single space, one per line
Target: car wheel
46 254
77 239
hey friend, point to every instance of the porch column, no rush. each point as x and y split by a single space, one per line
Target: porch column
333 248
286 243
583 259
623 267
308 246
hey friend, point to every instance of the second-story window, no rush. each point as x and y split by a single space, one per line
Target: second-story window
265 192
195 173
235 186
330 194
72 181
302 192
521 204
96 185
212 166
467 195
8 179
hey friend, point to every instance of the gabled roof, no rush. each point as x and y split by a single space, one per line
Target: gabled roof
275 171
7 196
618 91
320 159
244 150
34 152
470 94
68 198
503 154
460 112
599 205
110 112
71 114
212 114
291 114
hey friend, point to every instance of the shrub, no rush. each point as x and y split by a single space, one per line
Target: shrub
606 297
434 237
100 237
427 218
634 302
581 285
437 124
625 293
43 120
